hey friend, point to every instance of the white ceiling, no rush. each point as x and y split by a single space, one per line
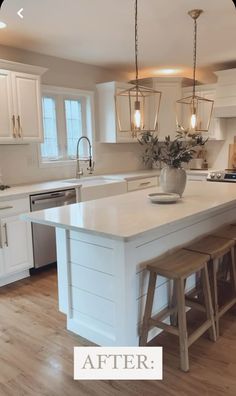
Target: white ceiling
101 32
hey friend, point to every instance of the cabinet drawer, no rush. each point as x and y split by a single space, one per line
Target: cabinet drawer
196 177
142 183
14 207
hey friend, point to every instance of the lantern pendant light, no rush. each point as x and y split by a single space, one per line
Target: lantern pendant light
194 112
137 108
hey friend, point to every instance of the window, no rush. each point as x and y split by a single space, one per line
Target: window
49 149
67 115
73 112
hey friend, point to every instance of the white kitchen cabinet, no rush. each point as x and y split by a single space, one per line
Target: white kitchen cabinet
2 269
108 123
171 89
196 177
7 133
21 112
16 255
141 184
27 106
217 128
17 245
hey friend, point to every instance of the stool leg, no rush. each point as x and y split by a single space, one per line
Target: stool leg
173 304
208 302
183 335
233 270
215 294
148 308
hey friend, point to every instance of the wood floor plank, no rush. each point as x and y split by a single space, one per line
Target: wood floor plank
36 352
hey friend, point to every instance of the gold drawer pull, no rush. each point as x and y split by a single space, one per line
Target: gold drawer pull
19 127
14 126
6 234
145 183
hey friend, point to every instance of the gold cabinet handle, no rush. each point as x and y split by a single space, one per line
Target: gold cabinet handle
6 234
19 127
14 126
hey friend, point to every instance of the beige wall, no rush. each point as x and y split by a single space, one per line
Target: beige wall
19 164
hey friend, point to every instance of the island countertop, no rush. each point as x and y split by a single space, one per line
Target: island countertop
131 215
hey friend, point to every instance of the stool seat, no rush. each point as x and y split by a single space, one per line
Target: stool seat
180 264
228 232
213 245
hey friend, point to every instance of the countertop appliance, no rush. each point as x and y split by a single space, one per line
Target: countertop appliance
228 175
44 239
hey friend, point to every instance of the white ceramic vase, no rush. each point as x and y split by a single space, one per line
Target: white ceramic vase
173 180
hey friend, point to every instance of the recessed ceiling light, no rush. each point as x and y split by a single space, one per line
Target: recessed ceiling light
3 25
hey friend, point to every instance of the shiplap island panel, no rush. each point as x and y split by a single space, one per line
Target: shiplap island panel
102 245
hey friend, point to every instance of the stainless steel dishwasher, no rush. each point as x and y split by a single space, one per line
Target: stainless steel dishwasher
44 239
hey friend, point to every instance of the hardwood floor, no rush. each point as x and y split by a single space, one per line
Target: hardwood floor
36 352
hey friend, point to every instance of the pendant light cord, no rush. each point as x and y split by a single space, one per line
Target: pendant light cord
136 44
194 57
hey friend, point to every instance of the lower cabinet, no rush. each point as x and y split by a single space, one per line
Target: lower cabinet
140 184
16 255
196 177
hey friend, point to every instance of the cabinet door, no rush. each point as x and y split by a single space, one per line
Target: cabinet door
7 131
217 126
171 92
17 244
28 108
2 268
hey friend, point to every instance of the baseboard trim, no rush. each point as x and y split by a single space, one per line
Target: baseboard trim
14 278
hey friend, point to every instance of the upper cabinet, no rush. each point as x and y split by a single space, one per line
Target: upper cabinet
7 131
171 89
217 128
20 107
108 123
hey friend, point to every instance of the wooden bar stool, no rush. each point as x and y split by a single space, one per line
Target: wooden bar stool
178 266
218 248
227 232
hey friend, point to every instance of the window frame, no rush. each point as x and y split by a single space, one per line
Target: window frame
60 94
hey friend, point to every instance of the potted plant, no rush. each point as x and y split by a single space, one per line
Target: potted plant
172 154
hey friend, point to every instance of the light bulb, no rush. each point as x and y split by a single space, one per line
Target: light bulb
137 115
193 121
137 119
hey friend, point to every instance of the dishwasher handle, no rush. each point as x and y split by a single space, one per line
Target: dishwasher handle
63 197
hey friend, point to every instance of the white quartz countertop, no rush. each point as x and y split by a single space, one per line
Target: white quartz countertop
130 215
37 188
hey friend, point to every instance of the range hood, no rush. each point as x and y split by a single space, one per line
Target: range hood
225 100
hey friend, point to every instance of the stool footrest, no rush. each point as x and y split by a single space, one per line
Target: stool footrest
165 313
170 329
197 333
193 303
226 307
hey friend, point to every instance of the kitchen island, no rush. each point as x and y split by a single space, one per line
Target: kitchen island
102 247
